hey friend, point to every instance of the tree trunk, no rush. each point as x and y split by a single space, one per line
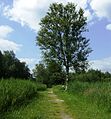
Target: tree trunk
67 77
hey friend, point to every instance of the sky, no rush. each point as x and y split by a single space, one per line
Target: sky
19 25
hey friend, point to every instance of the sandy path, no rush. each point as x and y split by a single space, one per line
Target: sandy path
59 104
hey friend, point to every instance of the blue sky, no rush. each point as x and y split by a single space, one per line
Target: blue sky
19 24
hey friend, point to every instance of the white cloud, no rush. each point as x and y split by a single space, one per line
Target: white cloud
7 44
5 30
29 12
30 62
102 8
89 16
108 27
102 64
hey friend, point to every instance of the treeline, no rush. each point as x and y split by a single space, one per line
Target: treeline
91 76
52 73
10 66
49 73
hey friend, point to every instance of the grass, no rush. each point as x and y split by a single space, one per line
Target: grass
21 99
98 93
14 93
39 108
32 110
81 99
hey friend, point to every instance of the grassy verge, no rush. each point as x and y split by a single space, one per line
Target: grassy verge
39 107
98 93
14 93
80 104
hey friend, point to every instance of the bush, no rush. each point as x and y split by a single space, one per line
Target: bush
41 87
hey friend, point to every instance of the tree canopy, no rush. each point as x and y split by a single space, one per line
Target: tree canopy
10 66
61 36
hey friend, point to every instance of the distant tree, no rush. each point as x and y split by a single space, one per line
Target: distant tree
61 37
50 73
91 76
10 66
55 72
8 63
22 70
1 64
41 74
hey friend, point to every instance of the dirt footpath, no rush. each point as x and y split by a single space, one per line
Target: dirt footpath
59 104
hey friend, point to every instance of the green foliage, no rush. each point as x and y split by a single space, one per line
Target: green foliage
98 93
41 87
61 36
49 74
91 76
55 72
15 92
10 66
40 73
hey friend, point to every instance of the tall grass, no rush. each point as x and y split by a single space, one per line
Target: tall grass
98 93
14 92
80 107
39 108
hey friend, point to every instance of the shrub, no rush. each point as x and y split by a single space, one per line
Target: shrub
41 87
